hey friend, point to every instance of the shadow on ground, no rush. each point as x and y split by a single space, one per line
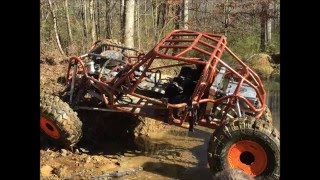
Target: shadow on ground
164 169
103 133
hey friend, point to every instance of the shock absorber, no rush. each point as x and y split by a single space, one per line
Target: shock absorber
193 115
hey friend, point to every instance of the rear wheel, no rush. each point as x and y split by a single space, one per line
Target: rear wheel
250 144
58 121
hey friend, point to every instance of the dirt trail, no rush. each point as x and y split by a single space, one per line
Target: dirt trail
107 150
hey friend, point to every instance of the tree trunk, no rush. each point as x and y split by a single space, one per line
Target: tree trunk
269 24
154 18
145 19
122 16
185 14
129 24
263 26
98 19
93 23
269 31
276 17
177 15
68 22
84 18
108 20
162 15
226 17
56 28
138 23
159 14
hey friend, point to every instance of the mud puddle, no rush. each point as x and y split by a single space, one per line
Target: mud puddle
178 154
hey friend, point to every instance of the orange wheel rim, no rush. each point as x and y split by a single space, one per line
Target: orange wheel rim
49 128
248 156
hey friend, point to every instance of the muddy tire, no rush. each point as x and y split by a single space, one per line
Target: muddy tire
267 116
246 143
58 121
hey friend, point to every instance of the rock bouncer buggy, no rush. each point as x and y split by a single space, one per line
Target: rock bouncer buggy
187 77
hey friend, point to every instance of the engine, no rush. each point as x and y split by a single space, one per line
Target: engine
104 64
218 89
226 86
246 91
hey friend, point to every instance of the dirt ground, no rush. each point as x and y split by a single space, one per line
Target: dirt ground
107 151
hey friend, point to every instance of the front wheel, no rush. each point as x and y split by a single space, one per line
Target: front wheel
267 115
58 121
247 143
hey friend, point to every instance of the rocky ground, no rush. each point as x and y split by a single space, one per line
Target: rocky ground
107 151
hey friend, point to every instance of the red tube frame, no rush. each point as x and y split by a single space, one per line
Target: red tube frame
176 37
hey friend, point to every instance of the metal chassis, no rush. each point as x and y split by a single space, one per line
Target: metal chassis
245 75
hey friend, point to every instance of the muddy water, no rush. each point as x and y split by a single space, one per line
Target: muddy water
273 102
179 154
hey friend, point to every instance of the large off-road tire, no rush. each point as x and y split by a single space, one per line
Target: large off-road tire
250 144
58 121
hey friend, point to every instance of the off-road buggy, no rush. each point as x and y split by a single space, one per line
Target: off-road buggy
187 77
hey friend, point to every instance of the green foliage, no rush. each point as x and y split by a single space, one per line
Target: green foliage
248 44
272 86
244 46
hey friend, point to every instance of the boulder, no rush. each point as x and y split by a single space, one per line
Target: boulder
260 63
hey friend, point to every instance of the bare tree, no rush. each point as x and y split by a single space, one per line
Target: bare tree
263 26
226 11
185 14
269 23
84 18
98 19
93 23
122 15
177 15
138 22
145 17
108 19
129 23
68 21
154 12
257 20
56 28
162 14
269 30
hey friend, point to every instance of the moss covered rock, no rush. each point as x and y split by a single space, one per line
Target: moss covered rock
260 63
